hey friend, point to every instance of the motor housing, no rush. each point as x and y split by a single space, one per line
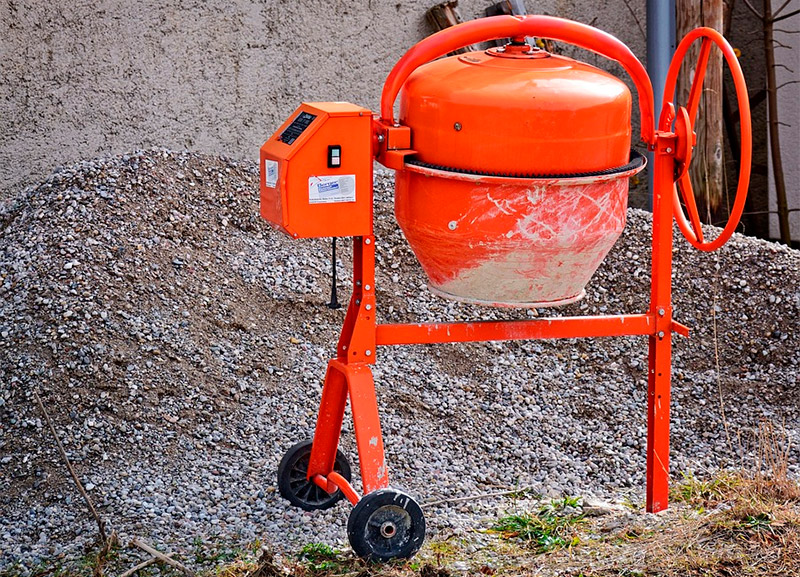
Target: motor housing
316 172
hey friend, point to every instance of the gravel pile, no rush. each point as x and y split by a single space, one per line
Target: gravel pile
179 345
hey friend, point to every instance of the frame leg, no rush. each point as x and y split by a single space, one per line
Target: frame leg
658 400
329 423
369 439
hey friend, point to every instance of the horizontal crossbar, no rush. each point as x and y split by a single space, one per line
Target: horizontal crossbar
547 328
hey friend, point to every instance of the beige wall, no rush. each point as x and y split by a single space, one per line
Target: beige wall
81 79
787 56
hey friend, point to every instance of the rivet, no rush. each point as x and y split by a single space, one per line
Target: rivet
661 312
368 307
368 353
367 287
457 126
358 301
669 150
367 241
358 283
381 138
452 225
661 334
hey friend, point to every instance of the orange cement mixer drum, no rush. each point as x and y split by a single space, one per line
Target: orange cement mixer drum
517 111
519 185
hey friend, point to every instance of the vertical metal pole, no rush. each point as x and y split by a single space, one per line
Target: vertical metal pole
355 365
660 344
660 47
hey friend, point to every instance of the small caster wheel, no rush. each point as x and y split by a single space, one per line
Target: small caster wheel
386 524
300 491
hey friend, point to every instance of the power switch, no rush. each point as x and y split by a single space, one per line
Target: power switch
334 156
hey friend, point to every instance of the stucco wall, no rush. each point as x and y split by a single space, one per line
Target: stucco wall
81 79
787 56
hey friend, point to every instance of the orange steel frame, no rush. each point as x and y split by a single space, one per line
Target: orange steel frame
349 374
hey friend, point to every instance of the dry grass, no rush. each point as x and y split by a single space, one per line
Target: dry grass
735 523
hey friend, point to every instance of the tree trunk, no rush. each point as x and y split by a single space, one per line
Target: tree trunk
707 169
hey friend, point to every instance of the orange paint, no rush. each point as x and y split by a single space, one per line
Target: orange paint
533 114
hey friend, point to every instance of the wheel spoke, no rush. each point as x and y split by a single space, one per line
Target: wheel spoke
687 193
297 474
699 76
303 493
297 481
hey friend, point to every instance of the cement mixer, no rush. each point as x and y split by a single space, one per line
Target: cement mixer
512 168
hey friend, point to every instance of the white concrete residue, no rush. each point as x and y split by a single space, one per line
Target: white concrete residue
504 205
557 238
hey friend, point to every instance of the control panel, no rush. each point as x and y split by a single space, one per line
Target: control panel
316 172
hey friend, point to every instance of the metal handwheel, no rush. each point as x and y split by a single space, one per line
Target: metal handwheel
683 119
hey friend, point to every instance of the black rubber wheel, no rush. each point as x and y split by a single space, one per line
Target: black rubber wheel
386 524
300 491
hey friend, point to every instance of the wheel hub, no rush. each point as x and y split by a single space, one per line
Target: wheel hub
388 530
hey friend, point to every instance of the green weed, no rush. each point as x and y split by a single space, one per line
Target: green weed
758 522
320 558
701 492
551 527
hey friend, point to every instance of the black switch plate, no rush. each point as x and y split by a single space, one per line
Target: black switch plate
334 156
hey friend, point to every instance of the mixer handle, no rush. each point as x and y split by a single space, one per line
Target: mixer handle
684 120
486 29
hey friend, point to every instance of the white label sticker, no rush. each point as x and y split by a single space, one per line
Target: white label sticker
324 189
271 170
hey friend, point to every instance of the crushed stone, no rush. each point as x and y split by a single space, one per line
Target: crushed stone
179 345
